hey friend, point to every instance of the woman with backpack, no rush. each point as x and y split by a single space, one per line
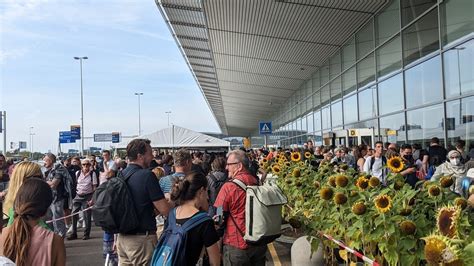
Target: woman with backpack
189 217
26 242
215 179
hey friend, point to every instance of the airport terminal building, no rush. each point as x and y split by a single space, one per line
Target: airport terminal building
338 72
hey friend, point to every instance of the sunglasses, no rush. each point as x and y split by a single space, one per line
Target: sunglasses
86 164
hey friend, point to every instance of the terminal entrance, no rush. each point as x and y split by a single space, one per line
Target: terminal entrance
350 137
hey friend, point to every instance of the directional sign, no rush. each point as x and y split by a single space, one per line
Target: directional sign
66 137
116 137
107 137
22 144
76 131
265 128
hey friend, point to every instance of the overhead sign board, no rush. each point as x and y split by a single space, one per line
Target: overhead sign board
107 137
116 137
66 137
22 144
76 131
265 128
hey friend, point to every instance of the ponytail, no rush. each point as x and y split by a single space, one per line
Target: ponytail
185 189
17 242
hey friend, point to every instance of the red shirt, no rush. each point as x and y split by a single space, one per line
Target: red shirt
232 199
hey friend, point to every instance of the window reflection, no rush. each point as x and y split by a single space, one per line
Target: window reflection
316 100
349 81
350 104
366 71
389 57
336 89
310 121
365 40
317 120
335 65
326 118
391 95
387 23
325 95
423 83
368 103
412 9
421 38
424 124
336 114
458 69
392 128
456 19
324 70
348 54
460 120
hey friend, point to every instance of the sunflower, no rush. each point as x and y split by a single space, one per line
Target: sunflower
302 164
359 208
383 203
261 164
326 193
342 180
440 249
340 198
461 203
295 156
447 220
374 182
276 169
446 181
317 184
287 164
344 166
405 212
395 164
407 227
434 191
307 155
332 181
288 181
362 182
296 172
399 183
298 183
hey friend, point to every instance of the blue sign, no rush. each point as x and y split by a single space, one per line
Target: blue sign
265 128
76 131
66 137
115 137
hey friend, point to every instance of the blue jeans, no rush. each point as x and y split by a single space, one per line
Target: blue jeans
56 210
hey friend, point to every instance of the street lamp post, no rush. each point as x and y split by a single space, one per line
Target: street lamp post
82 104
168 113
139 113
31 142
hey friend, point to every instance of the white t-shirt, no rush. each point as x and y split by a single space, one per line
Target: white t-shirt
376 170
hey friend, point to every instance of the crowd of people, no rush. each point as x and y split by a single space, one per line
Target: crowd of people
175 187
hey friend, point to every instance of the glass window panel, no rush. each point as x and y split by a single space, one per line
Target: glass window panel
316 83
366 71
456 19
388 22
316 100
458 70
304 125
317 120
325 95
423 83
424 124
335 65
310 121
365 40
324 70
336 114
309 104
326 117
392 128
460 121
412 9
350 105
336 89
348 54
389 57
318 139
368 103
309 87
421 38
349 81
391 95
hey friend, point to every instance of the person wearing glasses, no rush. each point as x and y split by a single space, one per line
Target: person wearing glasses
454 168
86 185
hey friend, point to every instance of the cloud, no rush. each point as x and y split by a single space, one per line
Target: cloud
12 54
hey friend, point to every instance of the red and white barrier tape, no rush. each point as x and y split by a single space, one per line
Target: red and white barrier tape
70 215
348 249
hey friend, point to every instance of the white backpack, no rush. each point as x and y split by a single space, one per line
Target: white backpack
262 213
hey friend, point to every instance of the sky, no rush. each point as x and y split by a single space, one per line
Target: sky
130 49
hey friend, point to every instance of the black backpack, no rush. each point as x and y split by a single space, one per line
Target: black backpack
218 183
372 161
114 208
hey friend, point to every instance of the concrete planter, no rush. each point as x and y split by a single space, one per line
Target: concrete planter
301 253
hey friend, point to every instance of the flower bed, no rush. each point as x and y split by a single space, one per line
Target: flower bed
393 224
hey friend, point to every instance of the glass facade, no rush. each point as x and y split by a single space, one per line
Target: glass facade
406 75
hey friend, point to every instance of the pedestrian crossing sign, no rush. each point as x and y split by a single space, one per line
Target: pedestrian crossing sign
265 128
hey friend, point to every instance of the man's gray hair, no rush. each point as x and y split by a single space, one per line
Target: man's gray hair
181 157
241 157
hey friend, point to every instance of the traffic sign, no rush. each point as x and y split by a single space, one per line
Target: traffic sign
265 128
107 137
66 137
116 137
76 131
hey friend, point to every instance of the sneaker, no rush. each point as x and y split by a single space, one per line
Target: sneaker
69 231
85 237
83 224
72 237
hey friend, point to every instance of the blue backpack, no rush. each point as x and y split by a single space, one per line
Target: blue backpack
171 248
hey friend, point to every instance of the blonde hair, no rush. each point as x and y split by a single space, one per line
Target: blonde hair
21 172
159 172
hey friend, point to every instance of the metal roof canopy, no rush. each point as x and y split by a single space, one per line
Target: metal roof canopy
249 56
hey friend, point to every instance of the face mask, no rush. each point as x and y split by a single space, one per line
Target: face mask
454 161
408 157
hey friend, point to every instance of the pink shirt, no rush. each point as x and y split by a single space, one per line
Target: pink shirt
85 183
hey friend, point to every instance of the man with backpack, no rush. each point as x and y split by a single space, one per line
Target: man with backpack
136 246
216 179
374 165
232 199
